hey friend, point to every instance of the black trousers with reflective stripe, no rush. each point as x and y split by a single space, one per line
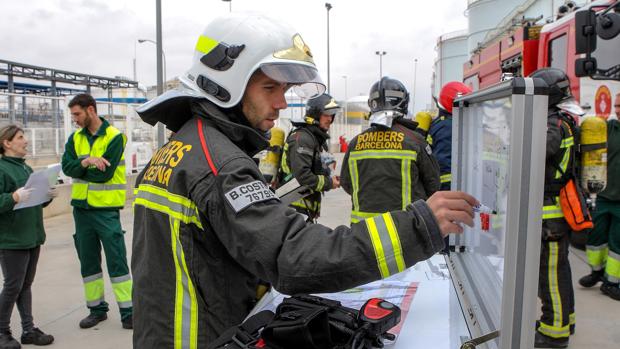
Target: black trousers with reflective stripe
555 288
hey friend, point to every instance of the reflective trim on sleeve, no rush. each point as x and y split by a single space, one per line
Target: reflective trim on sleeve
321 183
358 216
174 205
386 243
185 302
445 178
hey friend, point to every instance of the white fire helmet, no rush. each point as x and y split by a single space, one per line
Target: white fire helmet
231 49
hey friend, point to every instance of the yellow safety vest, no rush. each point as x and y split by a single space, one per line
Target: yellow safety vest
110 193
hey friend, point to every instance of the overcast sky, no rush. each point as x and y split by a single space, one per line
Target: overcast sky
99 36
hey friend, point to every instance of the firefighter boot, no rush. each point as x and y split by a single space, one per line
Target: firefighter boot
36 337
592 278
7 341
611 289
542 341
92 320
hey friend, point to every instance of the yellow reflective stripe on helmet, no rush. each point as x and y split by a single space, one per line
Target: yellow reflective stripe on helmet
405 173
597 256
174 205
93 289
386 244
553 211
205 44
446 178
185 302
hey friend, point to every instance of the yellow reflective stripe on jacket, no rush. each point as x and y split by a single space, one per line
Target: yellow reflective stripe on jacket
205 44
111 193
358 216
567 142
446 178
311 205
386 243
185 302
320 183
355 156
405 175
553 211
285 169
121 285
174 205
93 289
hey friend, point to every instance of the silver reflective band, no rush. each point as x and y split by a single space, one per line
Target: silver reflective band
127 304
118 279
92 278
105 187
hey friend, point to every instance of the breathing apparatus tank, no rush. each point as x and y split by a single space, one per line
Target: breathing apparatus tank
593 148
423 119
270 163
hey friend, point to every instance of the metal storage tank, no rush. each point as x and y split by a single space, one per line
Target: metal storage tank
451 55
484 16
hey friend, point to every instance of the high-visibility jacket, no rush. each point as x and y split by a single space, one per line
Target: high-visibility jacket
207 228
440 139
110 193
301 159
386 169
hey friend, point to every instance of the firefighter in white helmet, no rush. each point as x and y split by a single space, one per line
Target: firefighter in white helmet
207 227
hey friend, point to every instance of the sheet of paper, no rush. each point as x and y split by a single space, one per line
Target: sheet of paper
40 183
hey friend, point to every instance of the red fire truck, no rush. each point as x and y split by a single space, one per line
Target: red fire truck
524 48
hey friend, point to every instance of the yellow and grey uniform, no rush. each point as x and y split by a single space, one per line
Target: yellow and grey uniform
96 197
555 287
301 159
386 169
207 229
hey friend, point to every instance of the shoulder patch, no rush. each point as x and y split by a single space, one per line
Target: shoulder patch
248 194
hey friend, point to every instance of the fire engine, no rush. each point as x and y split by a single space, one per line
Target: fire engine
523 48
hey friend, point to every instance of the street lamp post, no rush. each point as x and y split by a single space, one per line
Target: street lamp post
415 74
163 55
346 127
380 54
328 6
229 5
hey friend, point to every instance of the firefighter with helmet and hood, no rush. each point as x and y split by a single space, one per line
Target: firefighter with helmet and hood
301 158
206 225
555 287
389 165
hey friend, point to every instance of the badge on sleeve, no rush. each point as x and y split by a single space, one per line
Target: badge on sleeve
429 150
248 194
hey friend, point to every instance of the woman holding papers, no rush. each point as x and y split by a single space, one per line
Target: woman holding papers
21 236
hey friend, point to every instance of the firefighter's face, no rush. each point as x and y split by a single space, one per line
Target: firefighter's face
262 101
82 116
325 121
617 106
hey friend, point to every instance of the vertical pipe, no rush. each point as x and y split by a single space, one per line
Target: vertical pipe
161 134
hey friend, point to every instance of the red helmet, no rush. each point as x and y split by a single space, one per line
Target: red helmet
448 94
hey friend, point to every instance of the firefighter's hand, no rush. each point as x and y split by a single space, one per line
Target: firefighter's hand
99 163
451 208
335 182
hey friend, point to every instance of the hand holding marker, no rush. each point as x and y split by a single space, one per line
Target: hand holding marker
480 208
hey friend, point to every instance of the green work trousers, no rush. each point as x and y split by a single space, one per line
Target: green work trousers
603 246
93 229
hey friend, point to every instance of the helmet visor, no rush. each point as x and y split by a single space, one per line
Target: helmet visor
571 106
305 79
393 100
